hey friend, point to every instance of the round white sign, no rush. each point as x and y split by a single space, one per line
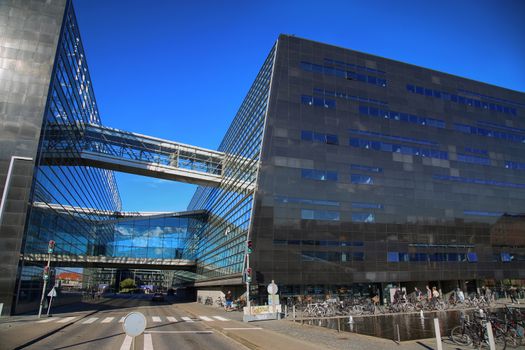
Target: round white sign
272 288
134 324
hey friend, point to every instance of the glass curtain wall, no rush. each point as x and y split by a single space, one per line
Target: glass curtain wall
67 200
221 242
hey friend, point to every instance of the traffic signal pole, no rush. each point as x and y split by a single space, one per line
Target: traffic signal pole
50 249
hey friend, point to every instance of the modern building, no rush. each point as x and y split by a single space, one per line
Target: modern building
346 171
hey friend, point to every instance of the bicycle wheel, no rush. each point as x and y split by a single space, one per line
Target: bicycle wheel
460 337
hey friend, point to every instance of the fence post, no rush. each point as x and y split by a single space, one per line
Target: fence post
438 334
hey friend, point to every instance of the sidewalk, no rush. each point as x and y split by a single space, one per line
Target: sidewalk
289 335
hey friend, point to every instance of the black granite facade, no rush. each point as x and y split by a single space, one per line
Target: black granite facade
29 32
377 171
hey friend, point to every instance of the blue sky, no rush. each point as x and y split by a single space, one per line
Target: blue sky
180 69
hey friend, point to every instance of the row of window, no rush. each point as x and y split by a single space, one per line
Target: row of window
500 126
341 94
477 151
372 169
465 158
317 101
318 243
283 199
460 99
353 66
361 179
323 215
481 213
425 257
514 165
477 181
332 256
490 97
349 75
363 205
394 148
321 175
363 217
393 137
441 245
329 139
468 129
404 117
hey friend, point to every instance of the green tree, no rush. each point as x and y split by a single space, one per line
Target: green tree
128 283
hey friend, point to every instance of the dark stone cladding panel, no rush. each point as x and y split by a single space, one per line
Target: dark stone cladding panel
29 33
415 206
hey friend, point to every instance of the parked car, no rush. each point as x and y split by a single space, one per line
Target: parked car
157 297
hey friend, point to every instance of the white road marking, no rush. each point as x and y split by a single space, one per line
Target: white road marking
107 320
187 319
181 332
90 320
148 342
47 320
127 343
67 319
171 319
242 329
221 318
205 318
122 319
156 319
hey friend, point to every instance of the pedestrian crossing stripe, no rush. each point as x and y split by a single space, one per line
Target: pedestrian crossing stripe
110 319
67 319
90 320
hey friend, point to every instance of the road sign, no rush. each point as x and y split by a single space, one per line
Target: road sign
272 288
52 293
134 324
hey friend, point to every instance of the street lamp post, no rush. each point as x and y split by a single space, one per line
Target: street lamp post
8 181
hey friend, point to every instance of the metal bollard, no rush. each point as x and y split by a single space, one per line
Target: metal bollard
438 334
293 312
398 335
285 311
421 316
492 344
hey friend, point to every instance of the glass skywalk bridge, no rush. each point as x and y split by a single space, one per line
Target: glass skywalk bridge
113 149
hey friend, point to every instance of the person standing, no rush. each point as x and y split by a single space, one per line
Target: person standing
229 300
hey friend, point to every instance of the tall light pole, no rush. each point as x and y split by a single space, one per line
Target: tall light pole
8 181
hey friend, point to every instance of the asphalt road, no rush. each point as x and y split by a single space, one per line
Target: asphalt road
168 327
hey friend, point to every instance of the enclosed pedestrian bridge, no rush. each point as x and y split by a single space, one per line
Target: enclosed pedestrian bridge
103 147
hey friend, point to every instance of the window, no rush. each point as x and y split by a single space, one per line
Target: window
361 179
322 175
506 257
366 168
361 205
325 215
472 257
392 257
363 217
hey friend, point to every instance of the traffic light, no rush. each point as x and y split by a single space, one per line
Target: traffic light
51 247
248 274
250 246
46 273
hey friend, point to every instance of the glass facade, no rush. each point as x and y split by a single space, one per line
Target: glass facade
369 178
67 203
221 243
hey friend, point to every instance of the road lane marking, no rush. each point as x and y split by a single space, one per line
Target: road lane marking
180 332
221 318
205 318
187 319
122 319
67 319
242 328
127 343
148 342
90 320
47 320
107 320
156 319
171 319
